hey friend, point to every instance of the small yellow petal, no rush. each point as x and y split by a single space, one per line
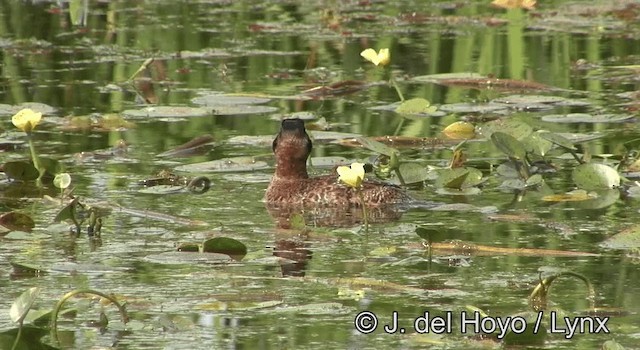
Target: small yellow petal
370 55
26 119
351 176
384 57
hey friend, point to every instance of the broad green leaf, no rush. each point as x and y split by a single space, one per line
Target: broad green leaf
513 127
413 172
536 144
225 245
21 306
427 233
67 212
458 178
460 131
415 106
557 139
20 170
595 176
376 146
17 221
509 145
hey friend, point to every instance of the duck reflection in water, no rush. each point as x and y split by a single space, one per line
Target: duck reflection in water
322 200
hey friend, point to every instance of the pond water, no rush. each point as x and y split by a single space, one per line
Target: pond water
298 289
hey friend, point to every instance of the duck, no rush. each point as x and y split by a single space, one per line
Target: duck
291 184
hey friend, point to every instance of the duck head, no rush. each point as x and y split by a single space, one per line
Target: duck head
292 148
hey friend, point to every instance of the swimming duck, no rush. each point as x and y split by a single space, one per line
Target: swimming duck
291 184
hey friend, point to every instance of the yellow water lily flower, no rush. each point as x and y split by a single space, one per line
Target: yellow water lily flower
381 58
26 120
351 175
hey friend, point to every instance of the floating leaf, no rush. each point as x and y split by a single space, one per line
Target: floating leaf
225 245
188 247
460 131
67 213
458 178
224 165
413 172
227 100
612 345
509 145
628 238
167 112
536 144
20 170
376 146
595 176
557 140
21 306
16 221
529 99
241 110
188 258
415 106
435 78
337 89
427 233
190 148
473 108
531 336
586 118
513 127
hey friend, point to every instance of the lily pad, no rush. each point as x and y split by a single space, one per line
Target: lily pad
529 99
513 127
228 100
509 145
481 108
458 178
35 106
536 144
20 170
415 106
557 139
241 109
629 238
21 306
171 258
460 131
17 221
167 112
224 165
376 146
595 176
224 245
413 172
586 118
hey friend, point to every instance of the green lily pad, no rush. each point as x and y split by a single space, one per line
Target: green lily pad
376 146
17 221
35 106
528 337
20 170
513 127
427 233
481 108
225 245
241 109
557 139
536 144
415 106
629 238
67 213
586 118
167 112
413 172
458 178
509 145
434 78
595 176
469 191
529 99
21 306
215 100
224 165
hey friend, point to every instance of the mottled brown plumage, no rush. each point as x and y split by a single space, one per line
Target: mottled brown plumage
291 184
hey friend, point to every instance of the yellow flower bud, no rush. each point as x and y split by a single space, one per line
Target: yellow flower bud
26 120
381 58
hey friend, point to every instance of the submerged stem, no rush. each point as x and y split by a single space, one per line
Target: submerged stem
35 159
365 214
58 307
392 80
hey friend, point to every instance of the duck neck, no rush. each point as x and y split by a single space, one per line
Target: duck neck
288 168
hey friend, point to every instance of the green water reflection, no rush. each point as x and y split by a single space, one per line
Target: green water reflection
281 48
